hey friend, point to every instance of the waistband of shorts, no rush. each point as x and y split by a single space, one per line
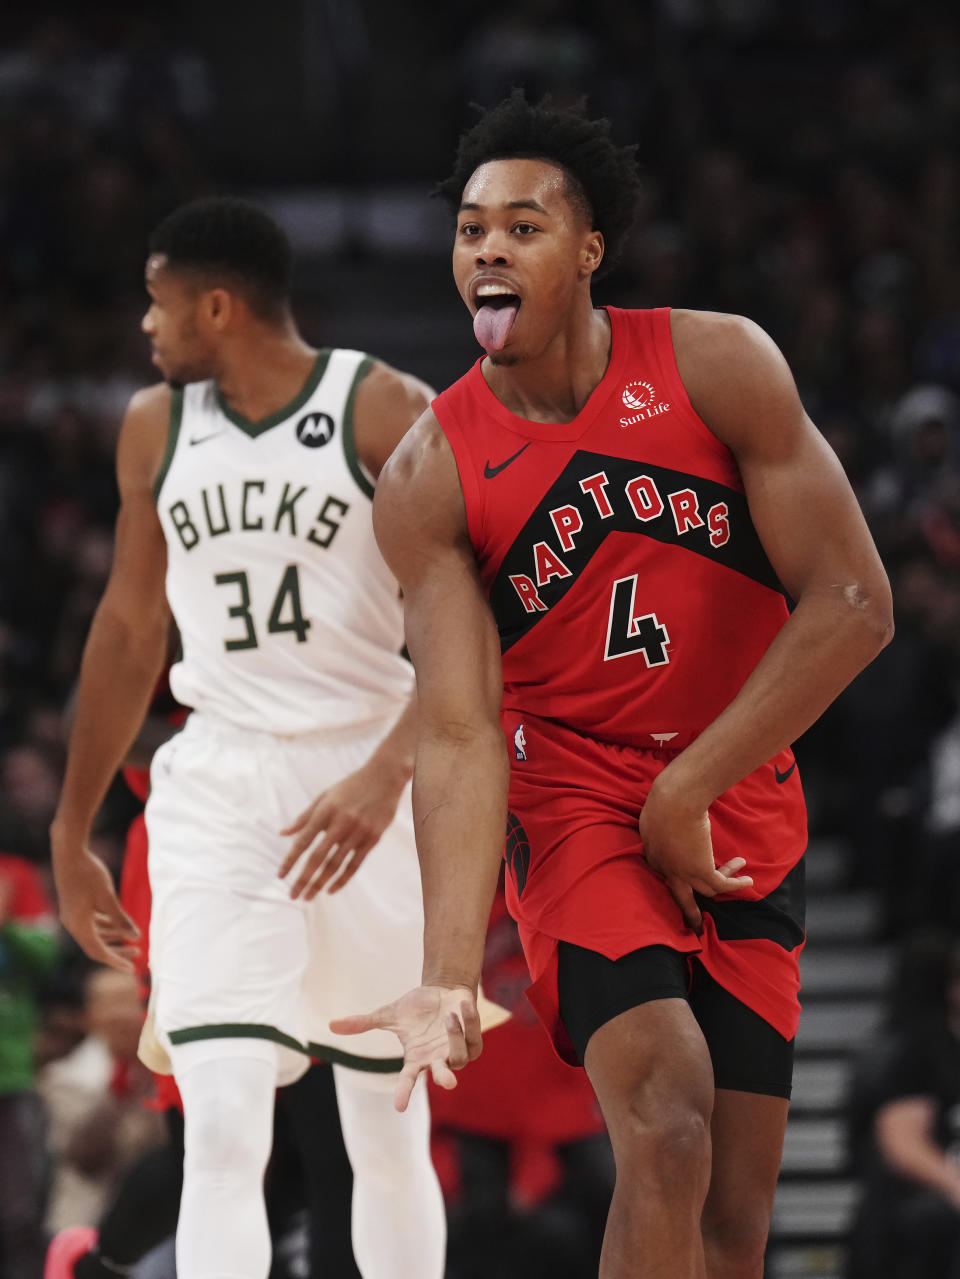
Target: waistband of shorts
660 745
360 730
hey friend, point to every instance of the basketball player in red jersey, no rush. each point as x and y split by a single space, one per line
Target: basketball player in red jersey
596 531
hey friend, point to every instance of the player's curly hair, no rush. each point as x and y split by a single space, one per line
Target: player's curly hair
234 241
602 177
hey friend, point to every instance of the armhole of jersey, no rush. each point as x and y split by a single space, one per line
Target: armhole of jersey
356 467
173 434
472 499
667 358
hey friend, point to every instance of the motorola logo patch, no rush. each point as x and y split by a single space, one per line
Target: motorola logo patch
315 430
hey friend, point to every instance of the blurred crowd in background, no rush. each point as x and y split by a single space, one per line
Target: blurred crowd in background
800 167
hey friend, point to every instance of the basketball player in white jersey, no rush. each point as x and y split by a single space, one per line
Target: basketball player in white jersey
245 481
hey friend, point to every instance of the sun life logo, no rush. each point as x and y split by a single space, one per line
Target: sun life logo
637 395
640 397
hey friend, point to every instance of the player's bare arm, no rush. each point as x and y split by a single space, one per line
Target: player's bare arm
122 661
460 781
387 404
818 543
905 1135
334 834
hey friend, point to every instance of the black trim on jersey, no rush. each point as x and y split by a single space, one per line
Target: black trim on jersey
779 917
517 852
742 551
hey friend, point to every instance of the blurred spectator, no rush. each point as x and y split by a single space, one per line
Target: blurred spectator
925 434
94 1096
29 784
28 952
905 1123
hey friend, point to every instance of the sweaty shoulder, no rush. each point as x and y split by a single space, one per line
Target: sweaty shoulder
418 502
144 434
735 376
387 404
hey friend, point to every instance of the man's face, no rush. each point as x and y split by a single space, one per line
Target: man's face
523 252
173 323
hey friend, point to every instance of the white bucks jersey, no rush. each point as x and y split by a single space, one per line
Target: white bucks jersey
290 621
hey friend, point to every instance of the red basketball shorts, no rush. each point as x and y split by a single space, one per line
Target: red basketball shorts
576 870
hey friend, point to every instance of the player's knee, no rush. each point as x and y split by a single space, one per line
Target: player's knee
663 1142
222 1140
392 1157
387 1150
735 1240
227 1134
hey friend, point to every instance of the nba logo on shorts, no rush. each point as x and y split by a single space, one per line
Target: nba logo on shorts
519 742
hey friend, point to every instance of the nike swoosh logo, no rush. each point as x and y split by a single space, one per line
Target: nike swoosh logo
203 438
490 471
782 777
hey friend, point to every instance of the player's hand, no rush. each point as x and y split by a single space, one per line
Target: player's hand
90 910
679 847
338 830
438 1028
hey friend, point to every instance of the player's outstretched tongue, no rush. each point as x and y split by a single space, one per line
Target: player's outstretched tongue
491 324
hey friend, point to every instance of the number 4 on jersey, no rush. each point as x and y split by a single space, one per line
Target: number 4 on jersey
628 633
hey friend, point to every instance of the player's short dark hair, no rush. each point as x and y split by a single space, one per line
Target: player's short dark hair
224 237
601 176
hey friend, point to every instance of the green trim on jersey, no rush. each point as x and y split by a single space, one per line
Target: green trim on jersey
173 434
253 1030
236 1030
349 442
253 429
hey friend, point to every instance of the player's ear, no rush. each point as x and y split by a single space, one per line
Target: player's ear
591 254
220 307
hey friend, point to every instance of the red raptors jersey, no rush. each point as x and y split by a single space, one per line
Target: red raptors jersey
629 587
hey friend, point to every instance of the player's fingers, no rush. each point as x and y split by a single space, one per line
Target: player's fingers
683 895
731 867
443 1075
356 1024
405 1085
115 929
296 851
298 822
116 937
328 870
719 883
98 949
354 864
113 914
473 1037
457 1056
311 831
311 865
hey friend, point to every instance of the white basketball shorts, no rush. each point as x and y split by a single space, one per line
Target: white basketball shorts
231 955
